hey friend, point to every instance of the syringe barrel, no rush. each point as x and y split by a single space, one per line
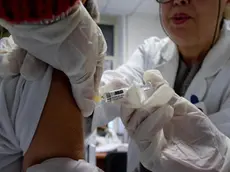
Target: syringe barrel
114 95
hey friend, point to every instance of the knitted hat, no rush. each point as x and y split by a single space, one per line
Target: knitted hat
19 11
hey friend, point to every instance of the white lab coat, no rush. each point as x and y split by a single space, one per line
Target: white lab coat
211 84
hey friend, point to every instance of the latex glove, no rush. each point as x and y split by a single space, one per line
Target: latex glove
154 111
78 50
175 135
193 143
137 105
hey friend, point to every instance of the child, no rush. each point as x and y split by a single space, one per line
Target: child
67 39
63 35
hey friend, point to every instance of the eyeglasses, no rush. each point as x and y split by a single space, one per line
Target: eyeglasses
163 1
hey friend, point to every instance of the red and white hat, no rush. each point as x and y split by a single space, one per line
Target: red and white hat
19 11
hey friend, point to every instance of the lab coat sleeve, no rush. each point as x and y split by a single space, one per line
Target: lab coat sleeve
128 72
133 70
222 118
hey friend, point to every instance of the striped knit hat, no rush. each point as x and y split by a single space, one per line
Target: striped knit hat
19 11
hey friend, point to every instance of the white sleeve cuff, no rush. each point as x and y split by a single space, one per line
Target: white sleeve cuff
64 165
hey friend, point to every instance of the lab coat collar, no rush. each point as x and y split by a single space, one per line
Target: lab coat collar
212 65
170 56
218 55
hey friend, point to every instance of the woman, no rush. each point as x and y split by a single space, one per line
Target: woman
194 60
40 131
135 71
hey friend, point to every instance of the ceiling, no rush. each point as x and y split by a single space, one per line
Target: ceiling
128 7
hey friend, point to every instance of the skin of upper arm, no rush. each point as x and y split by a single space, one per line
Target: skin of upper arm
60 129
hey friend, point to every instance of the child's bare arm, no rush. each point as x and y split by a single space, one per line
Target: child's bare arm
60 130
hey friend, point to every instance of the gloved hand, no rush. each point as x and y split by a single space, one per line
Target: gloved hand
174 135
78 50
137 105
154 111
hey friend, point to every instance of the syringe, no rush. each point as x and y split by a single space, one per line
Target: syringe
165 94
118 94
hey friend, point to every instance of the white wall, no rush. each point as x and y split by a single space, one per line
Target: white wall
140 27
131 31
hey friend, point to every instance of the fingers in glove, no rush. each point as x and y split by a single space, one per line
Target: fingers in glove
148 130
154 122
160 97
127 114
134 97
136 118
155 78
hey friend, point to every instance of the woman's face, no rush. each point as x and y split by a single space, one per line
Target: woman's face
191 22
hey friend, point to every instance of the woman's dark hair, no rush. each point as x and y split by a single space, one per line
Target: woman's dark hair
92 8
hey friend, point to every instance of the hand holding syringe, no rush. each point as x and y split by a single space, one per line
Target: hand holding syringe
164 126
155 92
